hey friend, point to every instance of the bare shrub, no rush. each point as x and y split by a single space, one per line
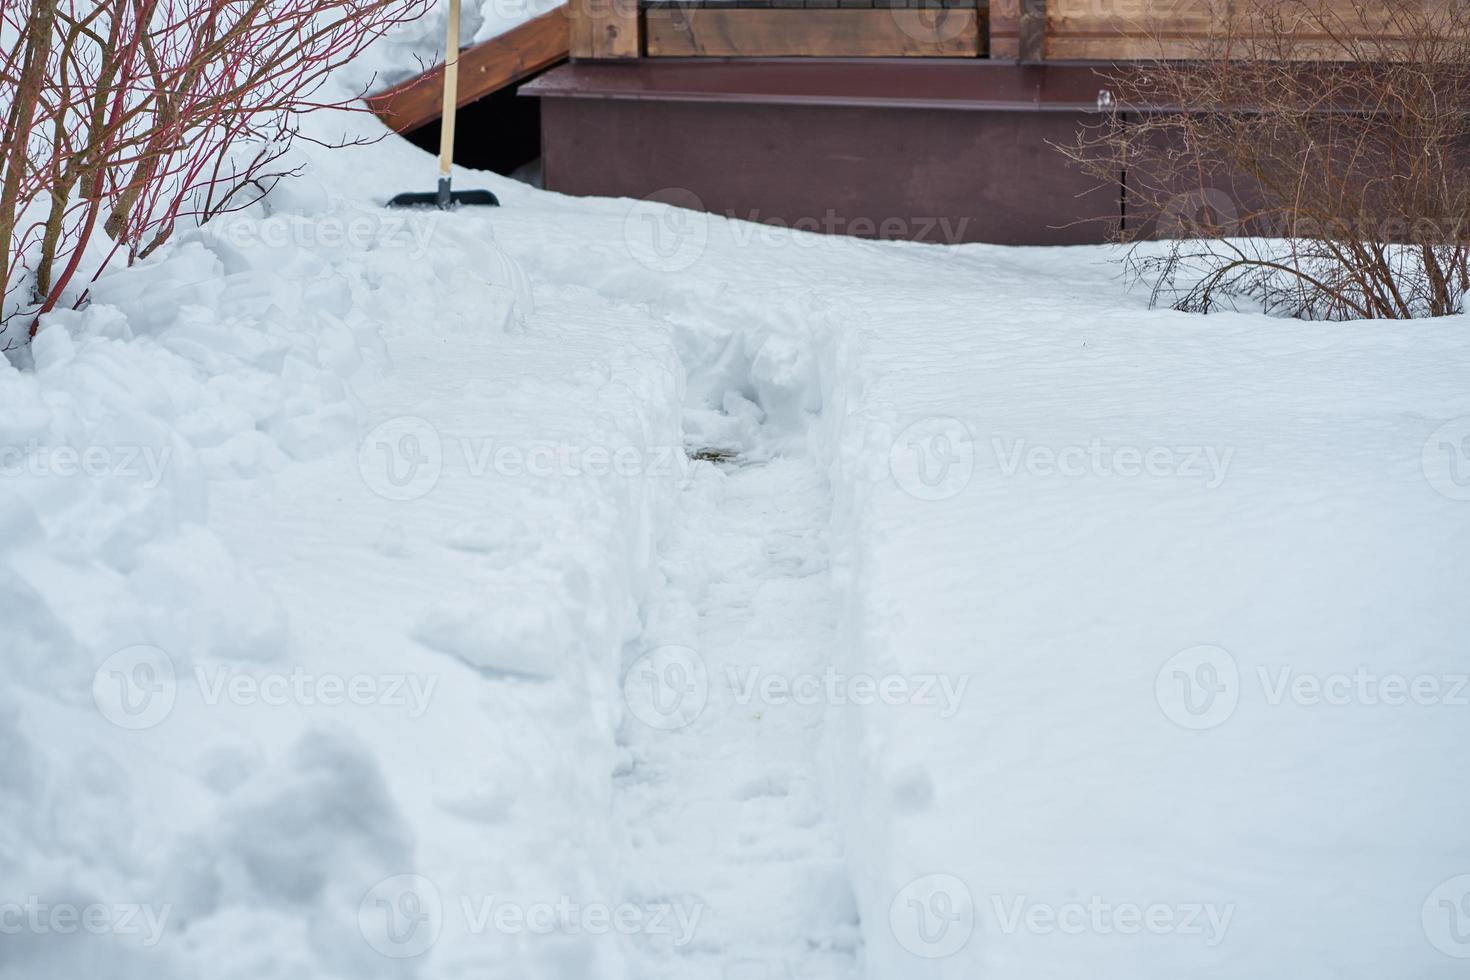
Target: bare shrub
122 118
1312 160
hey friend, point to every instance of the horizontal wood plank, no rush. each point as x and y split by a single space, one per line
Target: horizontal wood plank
1004 29
819 33
810 4
604 30
1031 31
484 68
1147 30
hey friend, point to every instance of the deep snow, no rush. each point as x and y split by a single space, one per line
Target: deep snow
365 613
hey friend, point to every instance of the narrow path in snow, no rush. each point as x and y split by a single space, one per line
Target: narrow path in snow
720 795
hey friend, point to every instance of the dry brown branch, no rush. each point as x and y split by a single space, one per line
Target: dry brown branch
1312 160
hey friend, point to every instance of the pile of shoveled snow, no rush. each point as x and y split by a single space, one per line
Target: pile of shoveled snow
231 355
327 555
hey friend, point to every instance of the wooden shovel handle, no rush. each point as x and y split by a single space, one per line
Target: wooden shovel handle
451 91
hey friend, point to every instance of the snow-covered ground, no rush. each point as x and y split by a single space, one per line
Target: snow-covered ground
587 589
1206 581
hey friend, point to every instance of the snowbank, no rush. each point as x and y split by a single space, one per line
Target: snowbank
209 768
1201 586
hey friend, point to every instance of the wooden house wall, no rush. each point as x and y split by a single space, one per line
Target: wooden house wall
1024 30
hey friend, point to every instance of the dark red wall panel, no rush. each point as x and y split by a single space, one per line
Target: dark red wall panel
880 170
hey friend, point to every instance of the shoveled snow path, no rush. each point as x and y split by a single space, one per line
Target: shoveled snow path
720 796
722 819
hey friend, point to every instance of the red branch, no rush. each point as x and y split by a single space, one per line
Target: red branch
125 118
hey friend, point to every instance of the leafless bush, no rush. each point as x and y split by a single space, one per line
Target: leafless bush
122 118
1313 160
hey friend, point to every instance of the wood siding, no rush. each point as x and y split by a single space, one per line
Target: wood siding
604 30
712 31
1128 30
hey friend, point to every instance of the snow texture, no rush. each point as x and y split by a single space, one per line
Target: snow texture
589 589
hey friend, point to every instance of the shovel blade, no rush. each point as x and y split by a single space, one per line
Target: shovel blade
457 199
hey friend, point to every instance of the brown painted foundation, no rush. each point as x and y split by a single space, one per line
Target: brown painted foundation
929 149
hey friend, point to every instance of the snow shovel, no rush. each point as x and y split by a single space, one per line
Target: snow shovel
446 198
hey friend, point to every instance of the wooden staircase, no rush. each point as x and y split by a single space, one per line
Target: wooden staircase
485 68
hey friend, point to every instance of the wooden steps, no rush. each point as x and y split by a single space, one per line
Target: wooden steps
485 68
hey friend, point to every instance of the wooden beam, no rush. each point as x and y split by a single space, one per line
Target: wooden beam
1031 35
515 55
1005 30
1129 30
605 30
685 32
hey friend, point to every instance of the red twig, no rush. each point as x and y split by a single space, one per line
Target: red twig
128 117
